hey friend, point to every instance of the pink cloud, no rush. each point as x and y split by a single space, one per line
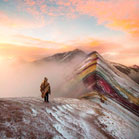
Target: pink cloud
57 8
32 51
30 2
116 14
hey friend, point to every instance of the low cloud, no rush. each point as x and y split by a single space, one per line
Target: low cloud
24 79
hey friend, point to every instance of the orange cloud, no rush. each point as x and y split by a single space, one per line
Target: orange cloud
101 46
26 53
32 48
31 41
111 51
117 14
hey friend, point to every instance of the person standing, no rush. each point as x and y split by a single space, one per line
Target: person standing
45 90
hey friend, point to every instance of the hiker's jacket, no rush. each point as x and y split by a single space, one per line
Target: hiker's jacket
45 88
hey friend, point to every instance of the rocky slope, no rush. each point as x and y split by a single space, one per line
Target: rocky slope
132 72
99 75
62 118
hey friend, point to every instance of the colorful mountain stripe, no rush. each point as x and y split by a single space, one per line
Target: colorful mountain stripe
104 78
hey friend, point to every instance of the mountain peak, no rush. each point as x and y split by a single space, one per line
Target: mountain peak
99 75
77 50
65 56
94 52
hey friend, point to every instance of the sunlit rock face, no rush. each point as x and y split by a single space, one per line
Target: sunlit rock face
99 75
65 119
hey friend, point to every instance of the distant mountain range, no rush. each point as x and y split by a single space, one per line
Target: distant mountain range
78 55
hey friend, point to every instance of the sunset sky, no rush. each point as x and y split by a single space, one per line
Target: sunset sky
31 29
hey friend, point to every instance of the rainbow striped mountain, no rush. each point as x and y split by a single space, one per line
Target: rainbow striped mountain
96 75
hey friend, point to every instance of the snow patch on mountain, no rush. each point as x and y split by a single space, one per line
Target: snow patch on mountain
65 118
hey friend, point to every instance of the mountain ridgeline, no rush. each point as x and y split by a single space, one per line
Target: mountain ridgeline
64 57
78 55
98 75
